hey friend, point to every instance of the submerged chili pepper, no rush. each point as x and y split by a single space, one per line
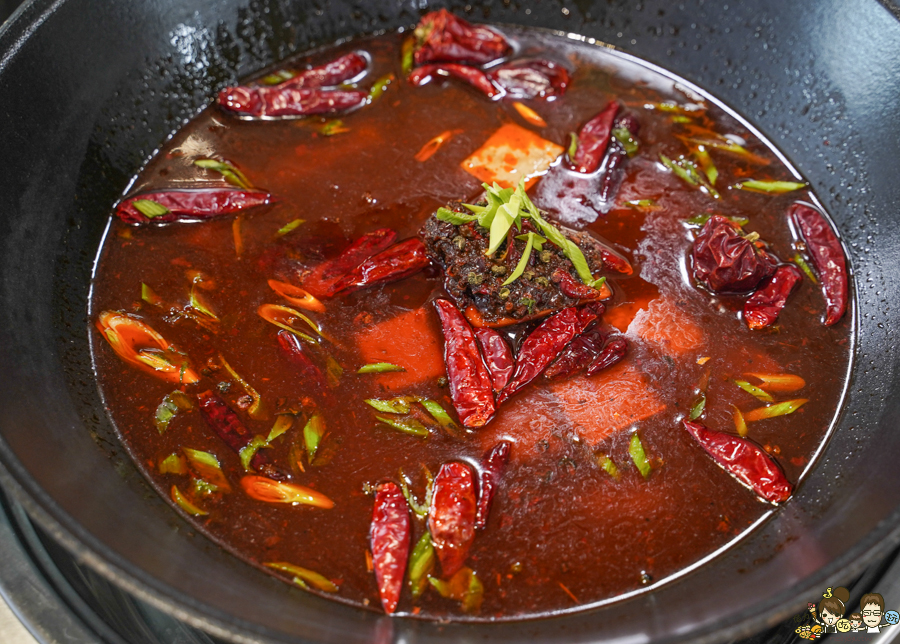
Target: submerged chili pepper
762 308
727 262
497 356
745 461
281 101
616 156
471 387
573 288
530 78
395 263
578 355
471 75
325 276
492 466
163 206
545 343
451 518
611 354
827 257
389 535
330 74
593 139
227 426
442 37
294 349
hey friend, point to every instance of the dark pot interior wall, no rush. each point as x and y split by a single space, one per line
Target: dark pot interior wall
78 119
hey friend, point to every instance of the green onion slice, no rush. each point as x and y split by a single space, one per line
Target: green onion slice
313 432
306 575
207 467
608 465
407 426
769 187
624 136
739 423
186 505
379 367
283 422
173 464
440 415
773 411
421 564
697 409
231 174
398 405
753 391
171 405
799 261
638 455
150 208
290 227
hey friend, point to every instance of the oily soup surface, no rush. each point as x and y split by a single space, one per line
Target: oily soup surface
563 531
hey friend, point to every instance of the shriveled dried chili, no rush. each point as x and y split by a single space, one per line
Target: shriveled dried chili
471 75
492 465
395 263
575 357
725 261
322 279
827 256
442 37
762 308
451 518
176 205
573 288
593 139
530 78
294 349
545 343
228 426
497 356
280 101
471 387
745 461
612 353
389 535
331 74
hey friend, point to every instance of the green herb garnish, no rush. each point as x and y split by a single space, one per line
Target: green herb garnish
638 455
440 415
398 405
379 367
626 139
379 86
421 564
778 409
420 509
186 505
799 261
407 50
303 576
706 164
313 432
407 426
289 227
608 466
641 204
250 449
173 464
283 422
332 127
697 409
532 240
753 391
231 174
150 296
276 78
455 218
687 171
769 187
150 208
573 145
171 405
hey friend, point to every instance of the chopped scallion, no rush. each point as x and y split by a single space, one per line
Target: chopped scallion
773 411
310 577
150 208
697 409
421 564
313 432
171 405
379 367
739 423
186 505
779 381
753 391
289 227
283 422
638 455
608 465
380 85
769 187
440 415
207 467
250 449
173 464
398 405
407 426
626 139
799 261
573 145
231 174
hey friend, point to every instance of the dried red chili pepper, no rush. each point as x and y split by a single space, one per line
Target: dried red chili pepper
612 353
575 357
280 101
293 348
492 466
497 356
471 75
573 288
827 256
471 388
321 281
727 262
451 517
330 74
544 344
400 260
530 78
190 204
442 37
593 139
745 461
389 535
616 155
228 426
762 308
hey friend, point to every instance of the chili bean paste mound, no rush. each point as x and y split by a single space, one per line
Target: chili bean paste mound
471 322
